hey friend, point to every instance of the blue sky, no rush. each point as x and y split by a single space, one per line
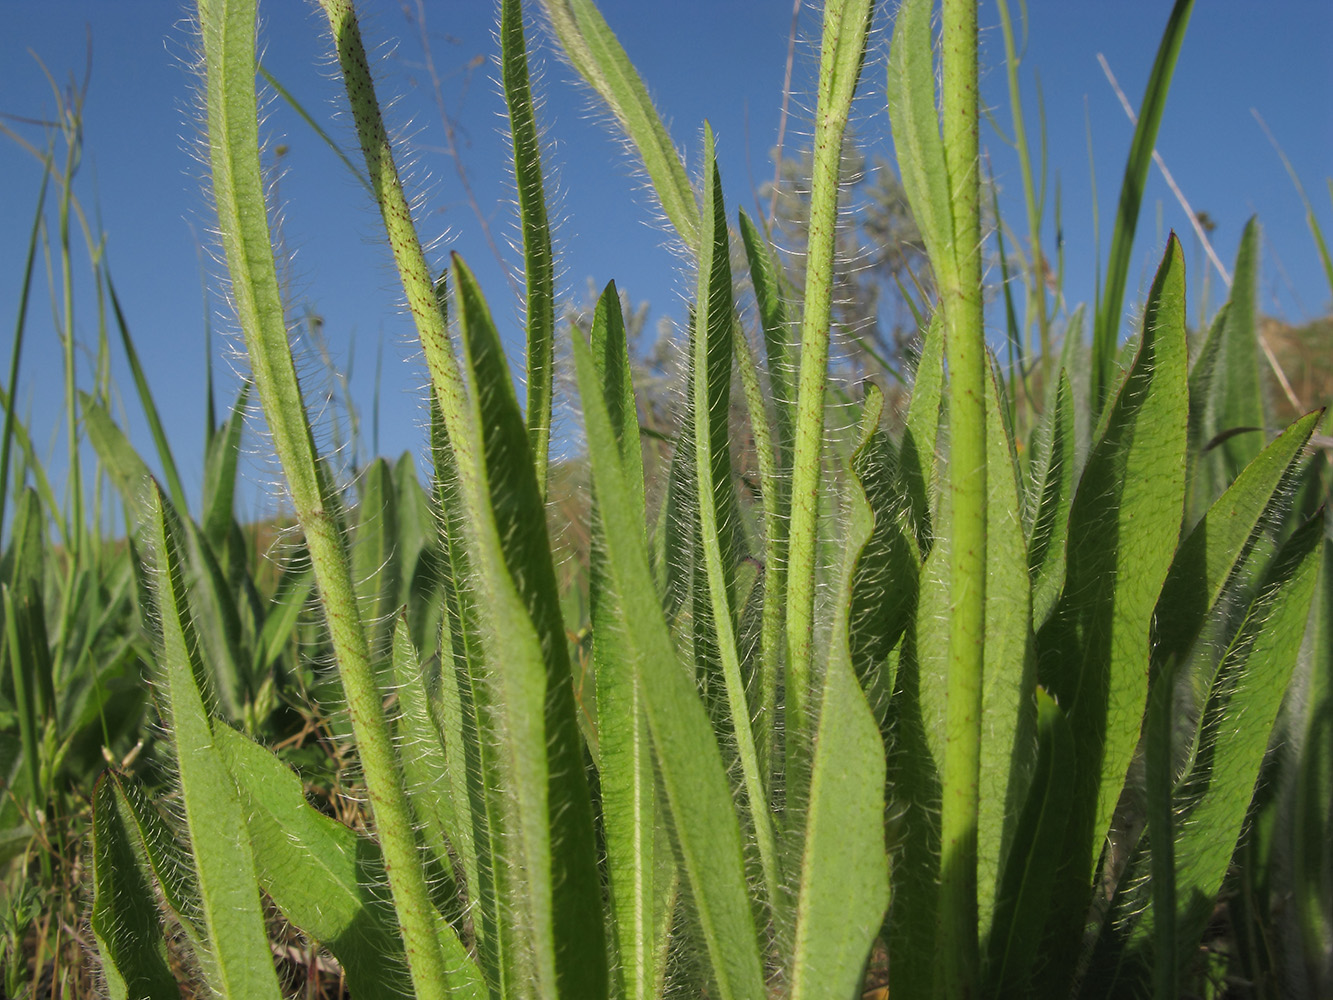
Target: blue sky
717 59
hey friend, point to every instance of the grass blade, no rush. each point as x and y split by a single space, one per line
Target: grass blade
176 490
128 471
16 352
689 762
1106 329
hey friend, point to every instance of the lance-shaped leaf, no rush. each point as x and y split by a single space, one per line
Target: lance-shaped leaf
1222 538
238 963
559 904
718 514
1237 725
593 49
327 880
426 774
916 130
625 766
1053 468
124 915
1226 389
1008 743
538 258
689 761
844 874
376 562
1124 527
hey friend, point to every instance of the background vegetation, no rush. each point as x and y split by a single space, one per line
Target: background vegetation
698 710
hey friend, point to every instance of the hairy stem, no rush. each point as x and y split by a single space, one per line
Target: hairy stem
961 300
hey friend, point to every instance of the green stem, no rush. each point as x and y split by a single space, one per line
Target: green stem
413 271
228 32
842 53
965 348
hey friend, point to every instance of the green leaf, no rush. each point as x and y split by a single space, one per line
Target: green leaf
295 587
1054 477
1093 653
916 131
146 401
767 278
124 914
426 774
1216 545
1029 871
1230 415
716 496
218 628
594 51
624 751
239 962
690 764
327 880
127 470
1009 735
884 584
376 561
844 873
538 258
916 463
170 860
559 905
1238 721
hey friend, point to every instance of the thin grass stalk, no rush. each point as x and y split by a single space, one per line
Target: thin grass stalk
20 325
75 481
846 25
1036 286
1107 326
966 353
227 28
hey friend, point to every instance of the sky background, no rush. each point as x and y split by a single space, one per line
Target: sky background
723 60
